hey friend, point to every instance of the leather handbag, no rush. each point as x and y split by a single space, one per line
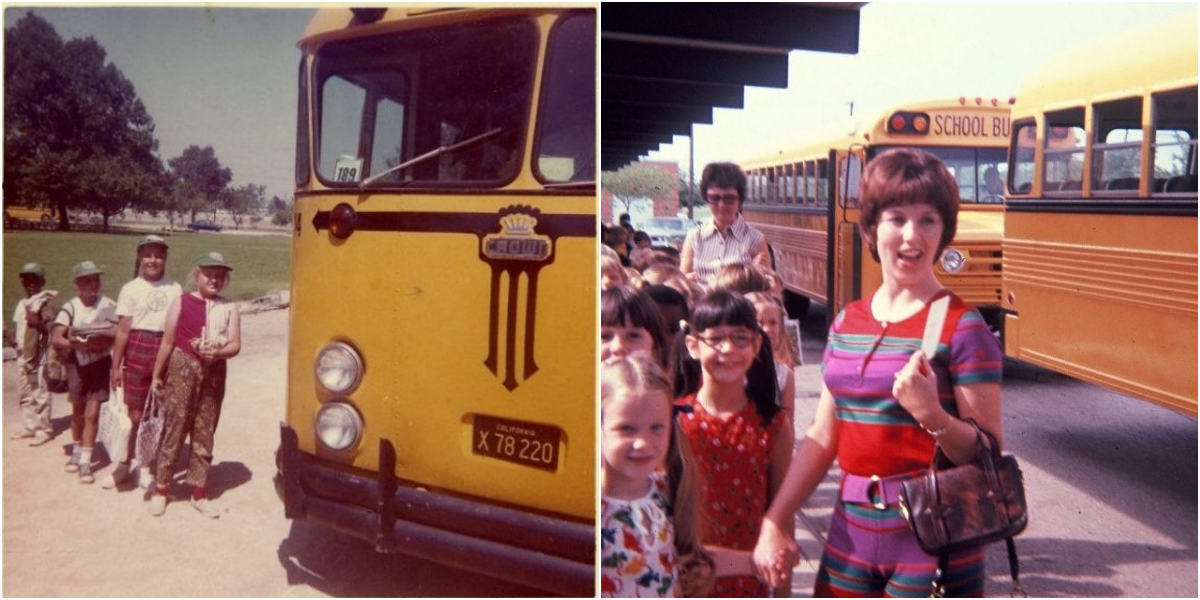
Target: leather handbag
952 508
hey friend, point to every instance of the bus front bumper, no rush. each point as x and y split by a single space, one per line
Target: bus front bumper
539 551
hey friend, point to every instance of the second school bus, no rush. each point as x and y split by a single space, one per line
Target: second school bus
1100 247
805 201
442 350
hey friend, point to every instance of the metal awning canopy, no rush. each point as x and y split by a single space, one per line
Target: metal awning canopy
665 66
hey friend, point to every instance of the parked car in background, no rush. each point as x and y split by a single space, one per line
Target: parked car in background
667 231
204 226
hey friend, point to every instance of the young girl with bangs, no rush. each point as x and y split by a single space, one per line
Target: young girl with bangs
725 376
631 323
650 524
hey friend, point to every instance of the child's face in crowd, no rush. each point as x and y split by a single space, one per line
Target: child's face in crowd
32 284
625 341
88 288
770 319
636 432
211 280
153 259
725 352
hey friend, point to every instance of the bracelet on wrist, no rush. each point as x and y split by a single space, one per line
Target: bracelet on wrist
938 433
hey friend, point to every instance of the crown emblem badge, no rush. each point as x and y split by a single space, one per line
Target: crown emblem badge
517 240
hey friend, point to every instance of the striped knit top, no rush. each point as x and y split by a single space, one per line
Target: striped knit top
713 249
876 435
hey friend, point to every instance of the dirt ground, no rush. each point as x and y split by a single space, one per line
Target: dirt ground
62 538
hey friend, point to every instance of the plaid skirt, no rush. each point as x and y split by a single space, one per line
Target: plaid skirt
138 369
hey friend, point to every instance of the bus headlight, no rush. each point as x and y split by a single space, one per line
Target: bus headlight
338 426
953 261
338 368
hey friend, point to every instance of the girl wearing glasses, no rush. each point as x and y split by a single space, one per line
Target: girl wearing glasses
728 239
742 441
884 406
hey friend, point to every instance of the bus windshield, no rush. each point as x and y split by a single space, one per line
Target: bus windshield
979 172
449 104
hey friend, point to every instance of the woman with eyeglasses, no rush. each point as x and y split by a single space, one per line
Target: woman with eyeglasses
728 239
885 406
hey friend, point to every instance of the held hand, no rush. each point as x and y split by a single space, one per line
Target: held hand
116 377
775 555
158 385
916 387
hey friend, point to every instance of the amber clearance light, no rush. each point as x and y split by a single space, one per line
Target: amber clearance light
342 221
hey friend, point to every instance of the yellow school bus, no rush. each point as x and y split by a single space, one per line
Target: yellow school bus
805 201
441 364
1100 239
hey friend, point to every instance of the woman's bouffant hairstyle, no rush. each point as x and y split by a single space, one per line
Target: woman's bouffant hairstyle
903 177
621 305
715 310
726 175
638 375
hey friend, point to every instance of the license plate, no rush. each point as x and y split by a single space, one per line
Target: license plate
518 442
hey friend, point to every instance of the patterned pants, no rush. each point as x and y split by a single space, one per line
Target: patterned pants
34 398
191 405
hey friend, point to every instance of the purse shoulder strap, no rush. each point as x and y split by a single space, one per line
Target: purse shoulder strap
935 321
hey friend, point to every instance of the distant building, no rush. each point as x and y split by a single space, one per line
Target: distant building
664 205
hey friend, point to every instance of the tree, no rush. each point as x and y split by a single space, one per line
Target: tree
244 200
638 180
75 133
202 172
281 211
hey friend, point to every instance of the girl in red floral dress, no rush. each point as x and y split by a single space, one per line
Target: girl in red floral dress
741 439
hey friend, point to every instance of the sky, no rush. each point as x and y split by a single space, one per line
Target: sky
224 77
909 52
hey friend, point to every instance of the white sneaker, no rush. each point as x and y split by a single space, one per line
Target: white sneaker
206 508
40 438
21 435
158 504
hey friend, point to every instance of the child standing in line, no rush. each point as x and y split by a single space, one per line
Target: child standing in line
743 441
142 309
650 527
85 326
770 318
630 323
203 331
32 320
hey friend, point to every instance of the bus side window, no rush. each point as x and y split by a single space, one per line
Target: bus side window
1064 145
566 138
1021 157
1174 144
1117 147
822 180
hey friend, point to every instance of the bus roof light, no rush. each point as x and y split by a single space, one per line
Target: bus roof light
897 123
978 101
921 124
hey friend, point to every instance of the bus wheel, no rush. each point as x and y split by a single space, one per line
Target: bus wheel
796 305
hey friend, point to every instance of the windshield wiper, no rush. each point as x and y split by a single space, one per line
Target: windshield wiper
428 155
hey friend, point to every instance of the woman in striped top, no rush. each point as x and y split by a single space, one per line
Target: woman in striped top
884 406
728 239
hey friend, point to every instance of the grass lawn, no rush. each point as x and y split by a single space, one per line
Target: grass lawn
260 263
